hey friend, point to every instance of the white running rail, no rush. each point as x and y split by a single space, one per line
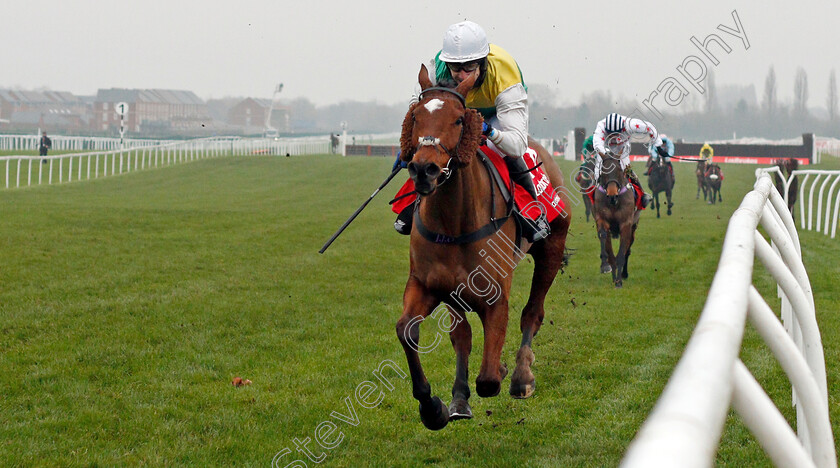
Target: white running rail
685 426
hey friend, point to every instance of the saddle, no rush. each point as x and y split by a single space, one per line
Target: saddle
551 203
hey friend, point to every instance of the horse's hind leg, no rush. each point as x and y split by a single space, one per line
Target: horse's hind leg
417 304
670 203
460 335
548 259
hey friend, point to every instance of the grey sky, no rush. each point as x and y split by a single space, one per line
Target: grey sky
331 51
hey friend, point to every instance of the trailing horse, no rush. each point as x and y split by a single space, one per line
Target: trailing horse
463 252
714 178
700 172
661 180
585 179
788 166
616 216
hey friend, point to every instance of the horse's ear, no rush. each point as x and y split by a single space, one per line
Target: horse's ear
423 78
465 86
471 137
406 146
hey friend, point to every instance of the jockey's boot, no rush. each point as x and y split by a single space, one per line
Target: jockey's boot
404 220
519 174
648 166
635 180
533 230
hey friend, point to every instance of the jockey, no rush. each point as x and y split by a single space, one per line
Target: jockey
612 138
666 151
499 94
588 148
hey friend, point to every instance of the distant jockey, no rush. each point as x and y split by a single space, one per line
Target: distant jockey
612 140
666 151
499 94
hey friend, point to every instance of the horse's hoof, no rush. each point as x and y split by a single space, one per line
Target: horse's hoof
618 284
669 212
657 215
523 390
606 268
435 415
487 388
625 274
459 409
523 383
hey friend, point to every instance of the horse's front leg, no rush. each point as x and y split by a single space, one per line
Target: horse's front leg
494 319
417 304
460 334
670 203
656 201
623 253
607 259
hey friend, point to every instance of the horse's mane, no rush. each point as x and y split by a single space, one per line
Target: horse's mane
464 150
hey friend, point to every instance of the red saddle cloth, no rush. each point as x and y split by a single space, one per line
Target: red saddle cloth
551 203
637 196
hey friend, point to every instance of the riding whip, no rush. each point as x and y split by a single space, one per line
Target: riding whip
353 216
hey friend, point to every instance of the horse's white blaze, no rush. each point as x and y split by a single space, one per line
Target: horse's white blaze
433 105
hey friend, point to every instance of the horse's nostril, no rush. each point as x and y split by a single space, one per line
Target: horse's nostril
412 169
432 170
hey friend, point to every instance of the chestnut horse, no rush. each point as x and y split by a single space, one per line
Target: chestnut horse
468 263
615 216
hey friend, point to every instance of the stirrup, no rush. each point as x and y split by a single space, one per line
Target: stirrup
534 230
404 220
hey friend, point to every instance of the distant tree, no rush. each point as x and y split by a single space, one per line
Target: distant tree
741 108
831 100
711 93
770 102
800 93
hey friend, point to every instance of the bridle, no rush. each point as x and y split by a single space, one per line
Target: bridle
431 140
495 223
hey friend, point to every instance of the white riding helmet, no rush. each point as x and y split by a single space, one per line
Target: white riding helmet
464 42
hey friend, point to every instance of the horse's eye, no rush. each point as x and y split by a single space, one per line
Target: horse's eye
460 121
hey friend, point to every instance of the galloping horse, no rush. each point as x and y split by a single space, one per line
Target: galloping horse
700 172
714 177
661 180
470 263
615 216
584 178
788 165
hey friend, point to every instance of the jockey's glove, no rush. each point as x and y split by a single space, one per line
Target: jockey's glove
399 163
487 130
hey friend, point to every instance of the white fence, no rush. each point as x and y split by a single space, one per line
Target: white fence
72 143
685 427
816 215
36 170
